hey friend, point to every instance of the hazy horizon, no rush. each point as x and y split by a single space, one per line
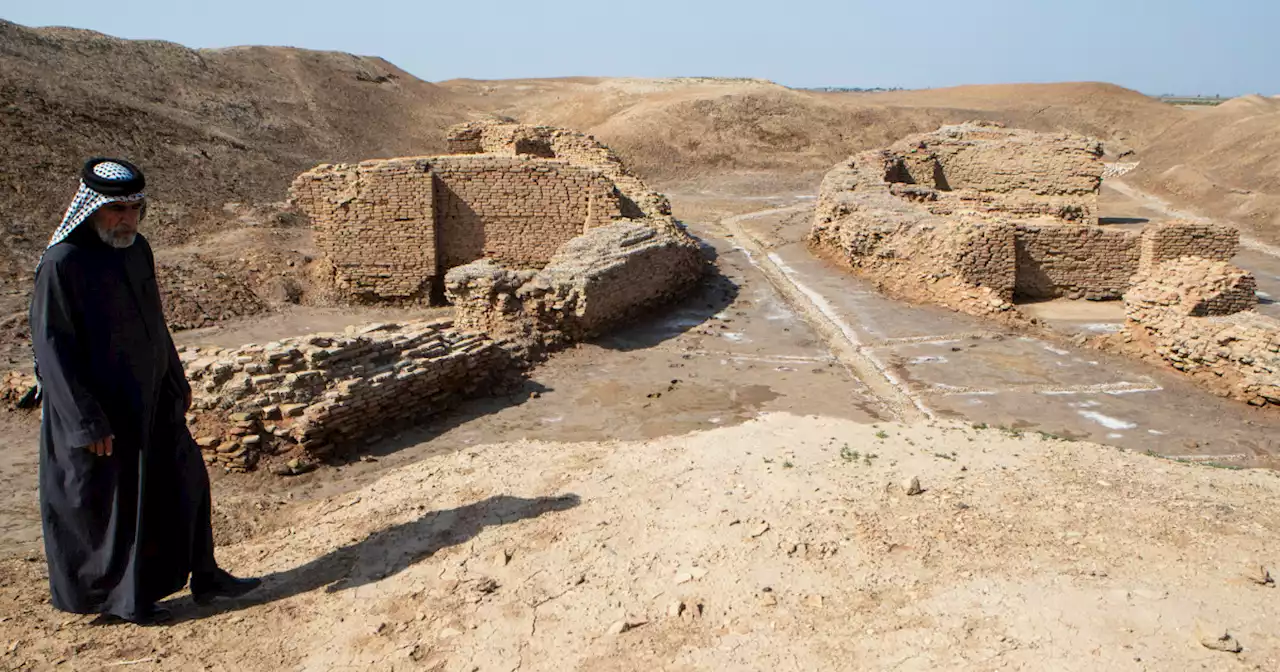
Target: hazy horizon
1182 48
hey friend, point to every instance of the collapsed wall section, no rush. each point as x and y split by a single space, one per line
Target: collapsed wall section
310 395
1197 316
594 283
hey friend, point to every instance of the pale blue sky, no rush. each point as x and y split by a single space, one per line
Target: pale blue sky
1226 47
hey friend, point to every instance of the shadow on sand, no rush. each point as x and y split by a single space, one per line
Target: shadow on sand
384 553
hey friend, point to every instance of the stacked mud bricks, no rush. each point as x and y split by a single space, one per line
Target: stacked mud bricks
315 393
545 236
390 228
1009 210
974 215
1197 315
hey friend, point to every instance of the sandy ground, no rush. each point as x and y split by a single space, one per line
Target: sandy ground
787 542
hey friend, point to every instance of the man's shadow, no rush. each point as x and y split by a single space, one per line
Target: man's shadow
385 552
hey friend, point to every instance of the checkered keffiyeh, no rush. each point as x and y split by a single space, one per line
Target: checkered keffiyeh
87 201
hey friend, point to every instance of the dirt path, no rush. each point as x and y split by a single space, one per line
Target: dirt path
822 318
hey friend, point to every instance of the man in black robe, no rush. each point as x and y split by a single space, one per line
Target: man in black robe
124 495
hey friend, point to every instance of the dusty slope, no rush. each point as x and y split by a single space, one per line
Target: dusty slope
769 545
683 128
1223 161
210 126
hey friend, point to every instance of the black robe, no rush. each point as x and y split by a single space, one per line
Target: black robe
123 531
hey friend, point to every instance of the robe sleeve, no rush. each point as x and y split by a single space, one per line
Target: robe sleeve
78 419
176 377
177 374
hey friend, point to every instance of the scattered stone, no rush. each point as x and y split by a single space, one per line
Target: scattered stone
913 486
675 608
759 530
207 441
1259 575
683 577
768 600
1218 639
502 557
292 410
227 447
620 627
448 633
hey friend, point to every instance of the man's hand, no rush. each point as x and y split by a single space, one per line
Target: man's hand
101 448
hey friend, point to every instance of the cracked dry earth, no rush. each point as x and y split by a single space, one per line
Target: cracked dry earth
784 543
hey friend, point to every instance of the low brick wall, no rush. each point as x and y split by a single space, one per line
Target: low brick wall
1166 241
319 393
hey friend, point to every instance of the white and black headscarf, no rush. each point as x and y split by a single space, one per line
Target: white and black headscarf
102 181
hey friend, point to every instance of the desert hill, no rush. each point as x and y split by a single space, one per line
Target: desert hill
1224 160
681 128
211 126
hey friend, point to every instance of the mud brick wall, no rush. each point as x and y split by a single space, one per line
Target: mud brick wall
322 393
389 228
375 224
1196 314
985 256
1078 262
1166 241
514 210
512 139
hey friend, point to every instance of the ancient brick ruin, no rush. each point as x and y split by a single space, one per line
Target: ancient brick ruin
976 216
1197 315
325 391
542 237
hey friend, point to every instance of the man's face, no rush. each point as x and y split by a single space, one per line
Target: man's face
117 223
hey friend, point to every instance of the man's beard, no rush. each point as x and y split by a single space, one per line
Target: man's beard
115 239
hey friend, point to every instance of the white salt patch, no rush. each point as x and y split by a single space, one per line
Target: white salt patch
1102 327
1114 435
558 418
928 359
1108 421
1055 351
1156 432
733 336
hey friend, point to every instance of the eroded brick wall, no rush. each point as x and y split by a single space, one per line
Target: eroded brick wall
375 224
313 394
389 228
516 211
